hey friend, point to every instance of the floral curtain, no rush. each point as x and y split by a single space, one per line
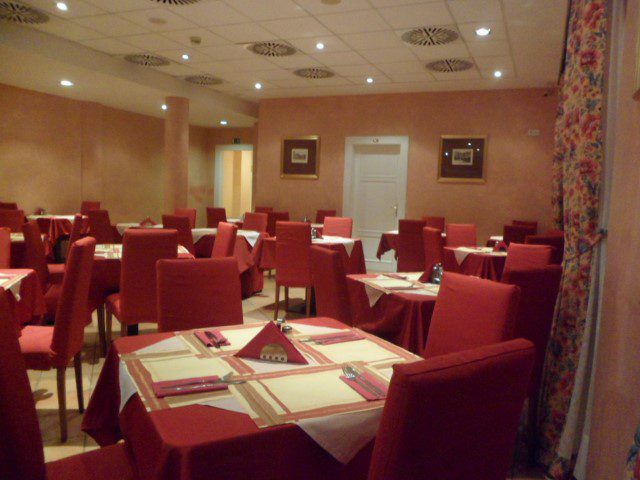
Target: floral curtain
633 462
577 169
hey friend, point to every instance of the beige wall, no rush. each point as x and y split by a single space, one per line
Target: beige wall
201 171
518 166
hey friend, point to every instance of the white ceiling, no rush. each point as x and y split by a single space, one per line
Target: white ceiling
361 37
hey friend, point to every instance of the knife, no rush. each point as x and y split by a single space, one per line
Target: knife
364 379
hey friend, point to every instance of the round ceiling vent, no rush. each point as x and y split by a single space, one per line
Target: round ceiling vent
176 2
314 73
271 49
147 60
427 36
204 80
21 13
450 65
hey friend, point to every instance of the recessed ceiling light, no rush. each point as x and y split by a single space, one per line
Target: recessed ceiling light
62 6
66 83
223 122
320 46
497 74
483 31
369 80
185 56
164 106
258 86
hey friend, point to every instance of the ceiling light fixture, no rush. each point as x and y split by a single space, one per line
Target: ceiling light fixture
483 31
497 74
185 56
258 86
369 80
223 122
320 46
62 6
66 83
164 106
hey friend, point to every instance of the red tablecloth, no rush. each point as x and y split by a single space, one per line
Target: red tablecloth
353 263
198 442
18 254
401 318
477 264
388 241
31 306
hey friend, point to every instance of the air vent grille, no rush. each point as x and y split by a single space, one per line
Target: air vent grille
314 73
176 2
204 80
147 60
429 36
271 49
450 65
20 13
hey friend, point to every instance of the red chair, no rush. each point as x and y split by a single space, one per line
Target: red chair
516 233
321 214
198 294
5 247
137 300
76 231
21 449
12 219
225 243
538 294
183 226
273 218
293 244
453 416
8 206
434 222
100 226
461 235
471 312
410 246
190 213
44 348
433 244
215 216
255 221
330 285
87 206
338 227
520 255
554 239
526 223
263 209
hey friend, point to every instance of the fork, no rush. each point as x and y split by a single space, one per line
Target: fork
350 375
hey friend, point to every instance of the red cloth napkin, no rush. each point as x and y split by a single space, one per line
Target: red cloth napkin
271 336
500 247
219 338
331 338
185 386
368 395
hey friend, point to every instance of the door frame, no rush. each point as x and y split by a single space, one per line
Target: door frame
217 169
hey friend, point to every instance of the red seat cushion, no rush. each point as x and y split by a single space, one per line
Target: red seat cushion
56 272
35 344
105 463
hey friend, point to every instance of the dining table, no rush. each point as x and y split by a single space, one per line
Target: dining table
165 395
481 262
57 226
22 291
389 241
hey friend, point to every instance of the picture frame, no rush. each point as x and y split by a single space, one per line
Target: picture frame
300 157
462 159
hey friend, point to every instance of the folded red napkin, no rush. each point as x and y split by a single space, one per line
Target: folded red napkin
215 338
369 387
147 221
331 338
500 247
186 386
272 345
396 276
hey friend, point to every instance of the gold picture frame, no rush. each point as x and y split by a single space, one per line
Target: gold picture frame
462 159
300 157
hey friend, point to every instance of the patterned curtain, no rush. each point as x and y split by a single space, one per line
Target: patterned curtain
633 462
577 169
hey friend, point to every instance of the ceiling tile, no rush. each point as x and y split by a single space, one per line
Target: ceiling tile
298 60
318 8
143 17
67 29
111 25
372 40
354 22
217 68
195 56
210 12
294 81
468 31
388 55
423 76
177 69
340 58
465 75
494 63
296 27
414 67
356 70
488 49
451 50
207 38
507 72
465 11
245 65
270 75
331 44
110 46
227 52
267 10
422 14
77 8
243 32
361 80
120 5
150 42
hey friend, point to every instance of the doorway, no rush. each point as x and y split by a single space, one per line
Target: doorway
233 179
375 190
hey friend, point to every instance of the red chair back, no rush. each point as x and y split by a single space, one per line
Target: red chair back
190 213
410 246
12 219
100 226
21 453
72 313
255 221
141 249
183 225
293 245
198 294
35 256
215 216
555 240
263 209
433 244
527 223
471 312
5 247
461 235
516 233
466 403
520 255
321 214
338 227
330 285
273 218
87 206
225 243
434 222
76 231
8 206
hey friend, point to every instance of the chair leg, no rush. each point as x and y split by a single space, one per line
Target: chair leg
109 328
307 297
286 299
62 403
77 366
277 306
533 429
123 329
101 331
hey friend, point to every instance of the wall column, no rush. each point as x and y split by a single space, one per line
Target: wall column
91 152
176 152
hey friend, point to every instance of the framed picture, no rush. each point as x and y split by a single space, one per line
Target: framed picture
300 157
462 158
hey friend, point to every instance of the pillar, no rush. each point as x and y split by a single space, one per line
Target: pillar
91 152
176 149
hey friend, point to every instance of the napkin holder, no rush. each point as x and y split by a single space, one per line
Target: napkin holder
271 345
500 247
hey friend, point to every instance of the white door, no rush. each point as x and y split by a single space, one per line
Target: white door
234 179
375 185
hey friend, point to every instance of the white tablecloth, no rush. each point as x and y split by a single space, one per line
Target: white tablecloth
347 242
